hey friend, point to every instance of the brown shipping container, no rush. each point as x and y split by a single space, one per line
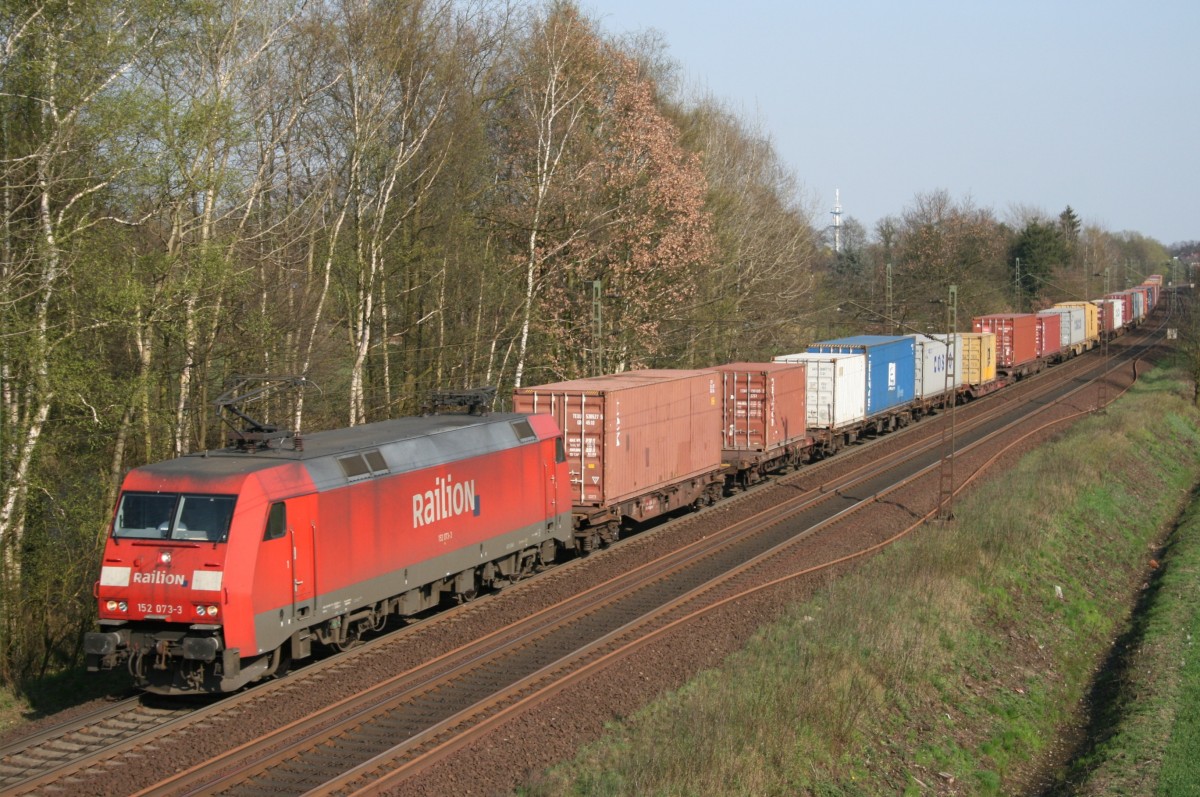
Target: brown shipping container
763 405
1016 335
628 434
1048 336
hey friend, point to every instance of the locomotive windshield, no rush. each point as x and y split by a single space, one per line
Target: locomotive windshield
174 516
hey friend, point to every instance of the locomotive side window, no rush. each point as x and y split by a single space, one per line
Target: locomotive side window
560 450
171 516
523 431
354 466
276 522
376 462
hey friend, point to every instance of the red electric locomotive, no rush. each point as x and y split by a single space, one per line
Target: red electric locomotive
222 566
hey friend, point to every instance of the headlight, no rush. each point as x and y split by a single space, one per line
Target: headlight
111 606
212 611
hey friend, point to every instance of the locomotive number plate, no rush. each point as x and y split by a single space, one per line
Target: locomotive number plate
159 608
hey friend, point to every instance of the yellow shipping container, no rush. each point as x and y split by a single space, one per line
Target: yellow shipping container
979 357
1091 320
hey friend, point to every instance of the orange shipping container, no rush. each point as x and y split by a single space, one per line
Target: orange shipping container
632 433
763 405
1016 337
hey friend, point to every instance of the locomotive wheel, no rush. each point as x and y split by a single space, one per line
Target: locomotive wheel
353 639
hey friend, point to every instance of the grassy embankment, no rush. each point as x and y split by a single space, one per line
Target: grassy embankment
1149 739
951 662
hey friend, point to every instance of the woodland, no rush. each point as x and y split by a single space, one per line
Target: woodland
392 198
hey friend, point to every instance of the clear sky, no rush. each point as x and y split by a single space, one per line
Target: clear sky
1089 103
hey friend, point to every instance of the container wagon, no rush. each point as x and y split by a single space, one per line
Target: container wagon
1049 337
764 408
890 375
1091 321
835 398
1016 342
1111 314
1072 327
976 363
1126 312
937 372
638 444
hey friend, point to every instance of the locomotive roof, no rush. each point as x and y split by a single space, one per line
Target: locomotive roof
404 444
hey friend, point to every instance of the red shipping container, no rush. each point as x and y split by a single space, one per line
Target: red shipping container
1108 321
763 405
632 433
1016 337
1049 334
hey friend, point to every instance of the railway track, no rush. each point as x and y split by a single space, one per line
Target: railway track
434 706
94 734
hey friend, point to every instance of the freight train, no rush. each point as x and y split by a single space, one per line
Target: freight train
222 567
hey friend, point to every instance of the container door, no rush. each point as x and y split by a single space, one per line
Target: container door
302 523
589 454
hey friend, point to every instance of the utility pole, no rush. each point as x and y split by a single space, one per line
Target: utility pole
597 327
1017 286
946 466
887 294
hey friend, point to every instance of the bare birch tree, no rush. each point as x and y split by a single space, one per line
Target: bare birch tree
557 80
64 81
385 107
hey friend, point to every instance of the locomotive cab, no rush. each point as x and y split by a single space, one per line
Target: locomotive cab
177 542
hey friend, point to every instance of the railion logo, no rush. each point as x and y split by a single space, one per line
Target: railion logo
159 577
447 499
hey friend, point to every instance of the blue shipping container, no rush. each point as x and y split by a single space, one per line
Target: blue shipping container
891 367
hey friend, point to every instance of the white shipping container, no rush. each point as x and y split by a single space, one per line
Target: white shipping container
935 360
837 388
1073 329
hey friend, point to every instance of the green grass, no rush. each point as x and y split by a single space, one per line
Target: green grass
44 696
1147 739
949 662
1181 761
